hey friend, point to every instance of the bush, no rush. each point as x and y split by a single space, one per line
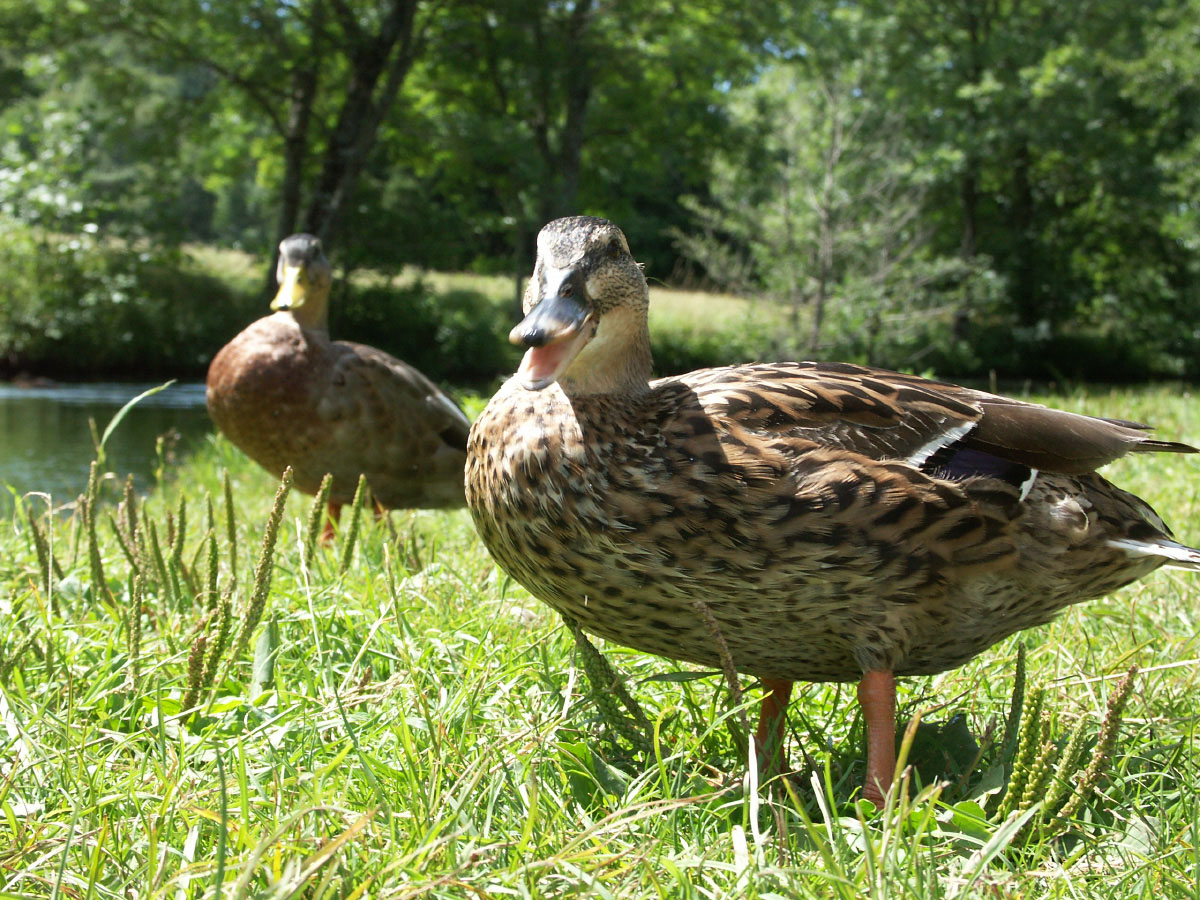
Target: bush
679 351
78 307
459 336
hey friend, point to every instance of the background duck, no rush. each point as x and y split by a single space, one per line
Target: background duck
285 394
840 523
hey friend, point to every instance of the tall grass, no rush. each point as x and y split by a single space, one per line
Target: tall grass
210 705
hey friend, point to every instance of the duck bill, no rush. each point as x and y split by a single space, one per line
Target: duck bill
292 288
554 331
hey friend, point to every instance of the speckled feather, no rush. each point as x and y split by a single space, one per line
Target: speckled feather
815 508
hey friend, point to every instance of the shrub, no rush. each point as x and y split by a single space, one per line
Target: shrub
458 336
678 351
79 307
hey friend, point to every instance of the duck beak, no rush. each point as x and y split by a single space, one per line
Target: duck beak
554 331
293 287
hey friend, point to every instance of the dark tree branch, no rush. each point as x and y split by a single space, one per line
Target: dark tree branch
178 50
348 22
363 112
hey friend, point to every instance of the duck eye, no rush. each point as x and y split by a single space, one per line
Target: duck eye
614 248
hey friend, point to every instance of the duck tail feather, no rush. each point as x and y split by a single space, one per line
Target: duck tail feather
1178 556
1151 445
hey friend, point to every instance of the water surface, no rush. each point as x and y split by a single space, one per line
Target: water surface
46 443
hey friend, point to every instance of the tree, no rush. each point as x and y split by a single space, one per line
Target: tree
605 106
820 195
327 66
1025 119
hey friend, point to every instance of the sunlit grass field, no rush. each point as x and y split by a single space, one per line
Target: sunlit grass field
405 721
677 317
680 320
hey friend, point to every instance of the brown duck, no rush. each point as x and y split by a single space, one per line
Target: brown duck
287 395
841 523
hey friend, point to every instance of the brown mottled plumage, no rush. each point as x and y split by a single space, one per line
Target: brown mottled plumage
287 395
841 523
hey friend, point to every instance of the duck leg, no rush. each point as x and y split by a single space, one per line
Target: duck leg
335 513
381 511
877 697
772 723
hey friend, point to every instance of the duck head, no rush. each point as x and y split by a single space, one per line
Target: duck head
304 277
585 311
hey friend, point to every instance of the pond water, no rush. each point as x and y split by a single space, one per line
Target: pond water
46 442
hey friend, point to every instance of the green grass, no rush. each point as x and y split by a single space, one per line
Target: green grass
417 726
689 329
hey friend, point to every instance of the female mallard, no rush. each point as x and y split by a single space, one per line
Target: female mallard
840 523
288 396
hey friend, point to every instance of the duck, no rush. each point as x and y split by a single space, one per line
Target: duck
286 395
797 521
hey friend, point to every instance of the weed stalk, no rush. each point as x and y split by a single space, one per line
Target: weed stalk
1068 766
133 631
1040 768
210 588
127 549
99 585
47 565
727 666
605 682
230 527
129 511
1012 726
1106 742
262 572
220 632
7 665
1027 747
313 530
360 495
160 565
195 672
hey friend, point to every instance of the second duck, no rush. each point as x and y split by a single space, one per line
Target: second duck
287 395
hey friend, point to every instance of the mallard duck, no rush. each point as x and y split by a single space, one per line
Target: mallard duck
287 395
839 523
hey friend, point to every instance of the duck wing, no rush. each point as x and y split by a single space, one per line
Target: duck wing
933 425
384 418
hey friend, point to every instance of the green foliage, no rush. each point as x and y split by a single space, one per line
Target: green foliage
924 314
889 153
607 688
676 352
165 314
457 335
85 308
821 192
536 110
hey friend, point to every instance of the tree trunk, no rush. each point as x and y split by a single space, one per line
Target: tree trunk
295 149
827 219
562 164
969 196
579 91
305 78
1025 289
977 25
363 111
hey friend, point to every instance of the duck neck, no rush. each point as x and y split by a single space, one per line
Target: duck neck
614 364
312 315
